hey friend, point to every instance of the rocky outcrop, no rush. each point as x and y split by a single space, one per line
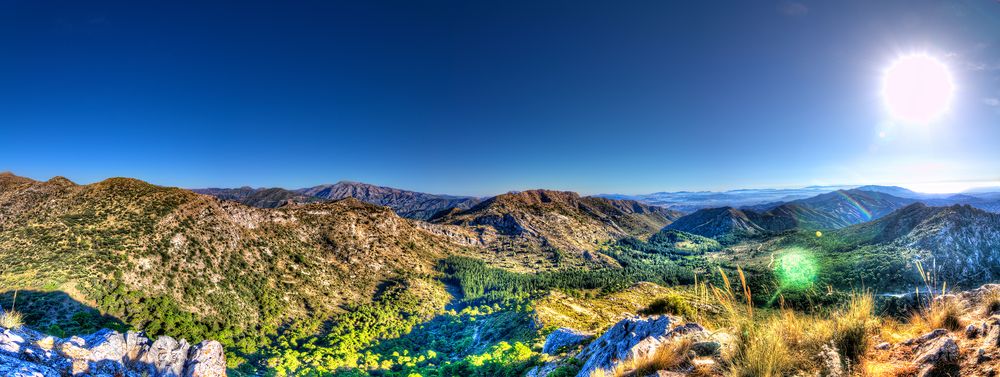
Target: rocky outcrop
563 338
24 352
632 339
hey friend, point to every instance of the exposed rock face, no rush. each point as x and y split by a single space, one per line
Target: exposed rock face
25 352
563 338
631 339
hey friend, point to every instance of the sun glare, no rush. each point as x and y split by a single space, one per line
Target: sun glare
917 89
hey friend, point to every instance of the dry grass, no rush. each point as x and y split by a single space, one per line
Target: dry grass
674 355
11 319
783 342
991 302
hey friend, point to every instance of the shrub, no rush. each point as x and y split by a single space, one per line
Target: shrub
672 303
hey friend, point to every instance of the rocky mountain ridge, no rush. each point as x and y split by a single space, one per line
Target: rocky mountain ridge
409 204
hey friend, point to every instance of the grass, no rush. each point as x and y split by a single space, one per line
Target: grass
991 302
11 319
786 341
672 356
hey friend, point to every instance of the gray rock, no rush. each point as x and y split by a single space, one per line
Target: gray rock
971 331
24 352
562 338
207 359
631 339
934 334
106 352
166 357
13 367
935 355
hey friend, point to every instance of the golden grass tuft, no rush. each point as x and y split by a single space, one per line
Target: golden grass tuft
671 356
11 320
777 343
946 313
991 302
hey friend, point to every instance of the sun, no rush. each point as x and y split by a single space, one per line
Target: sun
917 89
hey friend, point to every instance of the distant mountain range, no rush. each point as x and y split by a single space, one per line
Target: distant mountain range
410 204
832 210
766 199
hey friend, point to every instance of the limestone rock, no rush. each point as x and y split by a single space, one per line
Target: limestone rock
207 359
631 339
24 353
166 357
562 338
935 355
13 367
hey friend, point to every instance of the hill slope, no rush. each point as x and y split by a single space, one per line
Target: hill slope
259 197
833 210
411 204
192 265
543 219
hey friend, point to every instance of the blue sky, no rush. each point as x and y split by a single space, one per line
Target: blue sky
484 97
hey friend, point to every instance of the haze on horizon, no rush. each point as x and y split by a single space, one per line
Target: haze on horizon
477 99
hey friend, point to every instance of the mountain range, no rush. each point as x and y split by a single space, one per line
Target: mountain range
410 204
173 261
765 199
832 210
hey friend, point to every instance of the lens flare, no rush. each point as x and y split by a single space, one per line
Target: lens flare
865 213
796 269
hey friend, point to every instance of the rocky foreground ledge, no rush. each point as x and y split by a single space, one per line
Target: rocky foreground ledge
24 353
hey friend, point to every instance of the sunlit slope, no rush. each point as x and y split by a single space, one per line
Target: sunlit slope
148 253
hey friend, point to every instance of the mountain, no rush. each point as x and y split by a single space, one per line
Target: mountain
833 210
894 191
174 262
690 201
847 207
959 244
410 204
720 222
259 197
561 220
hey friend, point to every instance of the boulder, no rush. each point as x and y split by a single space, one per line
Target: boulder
563 338
207 359
631 339
936 355
165 358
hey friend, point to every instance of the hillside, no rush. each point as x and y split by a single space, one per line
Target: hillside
833 210
259 197
559 220
174 262
411 204
959 244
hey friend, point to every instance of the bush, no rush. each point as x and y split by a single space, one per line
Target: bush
672 303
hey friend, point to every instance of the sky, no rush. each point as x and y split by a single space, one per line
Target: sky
483 97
